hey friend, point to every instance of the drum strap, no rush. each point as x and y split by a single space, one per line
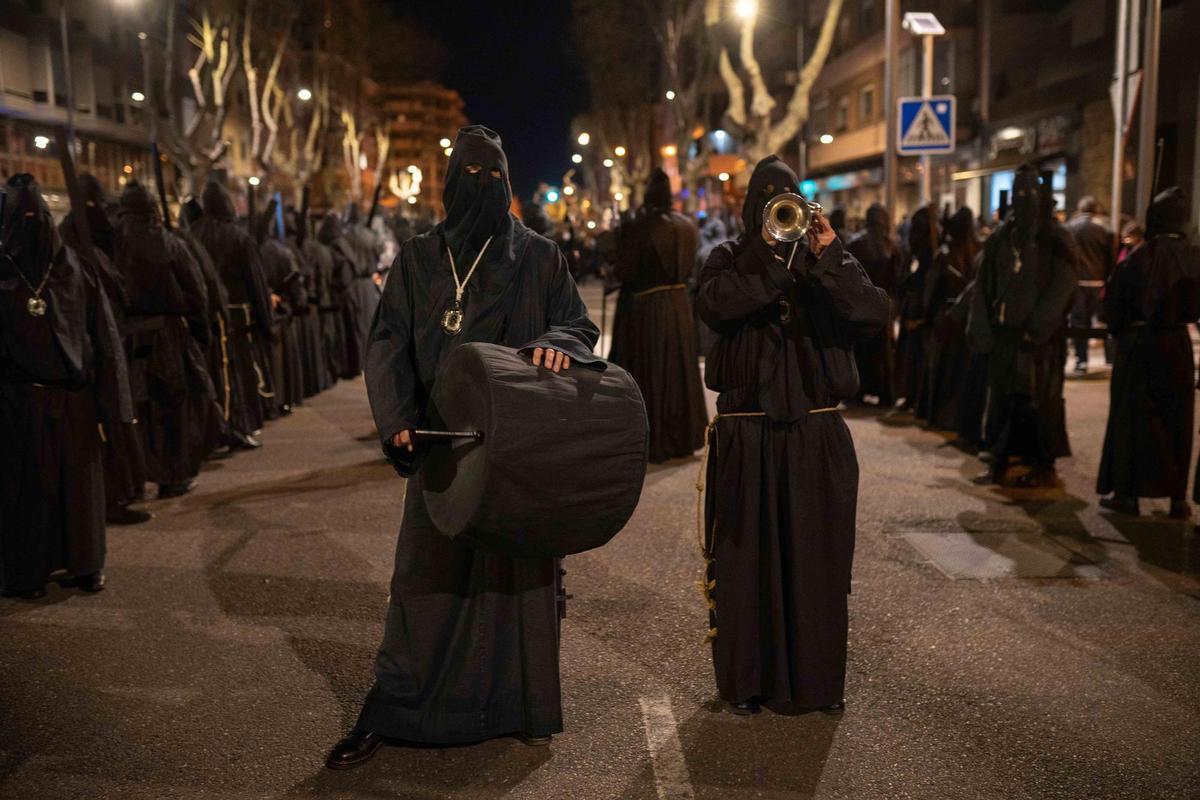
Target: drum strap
708 544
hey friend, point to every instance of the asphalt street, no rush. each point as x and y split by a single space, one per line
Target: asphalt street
1003 644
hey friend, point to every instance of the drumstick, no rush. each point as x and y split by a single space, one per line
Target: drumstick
439 435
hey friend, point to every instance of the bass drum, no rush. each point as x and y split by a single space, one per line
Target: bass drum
562 460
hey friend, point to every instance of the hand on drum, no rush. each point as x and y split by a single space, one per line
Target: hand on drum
551 359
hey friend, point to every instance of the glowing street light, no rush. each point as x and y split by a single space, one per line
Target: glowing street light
826 138
304 95
137 97
618 196
412 199
448 150
669 150
584 138
552 196
41 142
745 9
444 142
568 190
578 159
619 151
253 180
591 224
670 94
608 162
724 176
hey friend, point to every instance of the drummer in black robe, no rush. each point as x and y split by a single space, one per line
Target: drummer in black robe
62 383
1151 299
168 320
1026 282
876 249
235 254
782 474
948 355
470 646
656 257
124 462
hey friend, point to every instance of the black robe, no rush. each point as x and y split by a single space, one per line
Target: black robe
287 363
346 289
216 351
235 255
329 315
62 380
658 345
470 648
875 354
1018 318
912 339
947 353
1151 298
314 364
783 486
168 324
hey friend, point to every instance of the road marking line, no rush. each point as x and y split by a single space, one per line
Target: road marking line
671 779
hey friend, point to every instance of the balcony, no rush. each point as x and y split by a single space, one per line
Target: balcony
847 147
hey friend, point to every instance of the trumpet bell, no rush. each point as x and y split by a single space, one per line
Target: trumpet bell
789 216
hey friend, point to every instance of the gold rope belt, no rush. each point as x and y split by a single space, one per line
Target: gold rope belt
708 548
665 288
224 363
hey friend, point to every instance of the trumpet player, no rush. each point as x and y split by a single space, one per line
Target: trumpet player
787 302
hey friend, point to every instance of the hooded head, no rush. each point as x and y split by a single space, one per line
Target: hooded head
218 203
330 230
477 194
190 212
27 233
878 221
658 190
1026 201
961 226
354 215
1168 214
771 178
837 218
95 204
137 202
291 222
922 232
534 217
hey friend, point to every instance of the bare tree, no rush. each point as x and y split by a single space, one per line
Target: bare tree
765 132
264 100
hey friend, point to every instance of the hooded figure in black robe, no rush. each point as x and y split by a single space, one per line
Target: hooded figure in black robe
62 383
470 646
366 246
325 263
314 364
948 356
911 343
782 474
124 462
343 287
1151 299
168 320
287 296
876 250
235 254
1025 284
658 347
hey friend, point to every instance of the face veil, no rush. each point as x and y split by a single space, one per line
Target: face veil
476 202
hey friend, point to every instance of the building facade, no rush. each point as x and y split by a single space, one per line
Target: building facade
420 117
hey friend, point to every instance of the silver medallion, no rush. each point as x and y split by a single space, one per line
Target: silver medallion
36 306
452 320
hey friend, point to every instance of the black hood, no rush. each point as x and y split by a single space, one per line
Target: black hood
922 231
771 178
95 203
1168 214
658 190
1026 202
136 201
218 202
354 215
535 218
961 226
190 212
330 230
27 232
477 206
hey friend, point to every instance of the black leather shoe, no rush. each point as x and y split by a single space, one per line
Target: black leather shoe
1121 505
357 748
93 582
745 708
244 441
836 708
534 741
124 515
166 490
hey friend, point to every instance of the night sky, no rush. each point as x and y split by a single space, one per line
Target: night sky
516 68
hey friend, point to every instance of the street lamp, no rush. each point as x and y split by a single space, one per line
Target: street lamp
578 159
724 176
304 94
445 143
584 138
618 196
137 97
608 162
926 25
41 142
826 138
619 151
591 224
669 150
568 190
253 180
412 199
670 94
745 9
448 150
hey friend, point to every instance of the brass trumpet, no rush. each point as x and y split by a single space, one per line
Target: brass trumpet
789 216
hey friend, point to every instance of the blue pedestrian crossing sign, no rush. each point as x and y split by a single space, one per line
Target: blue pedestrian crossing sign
926 125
